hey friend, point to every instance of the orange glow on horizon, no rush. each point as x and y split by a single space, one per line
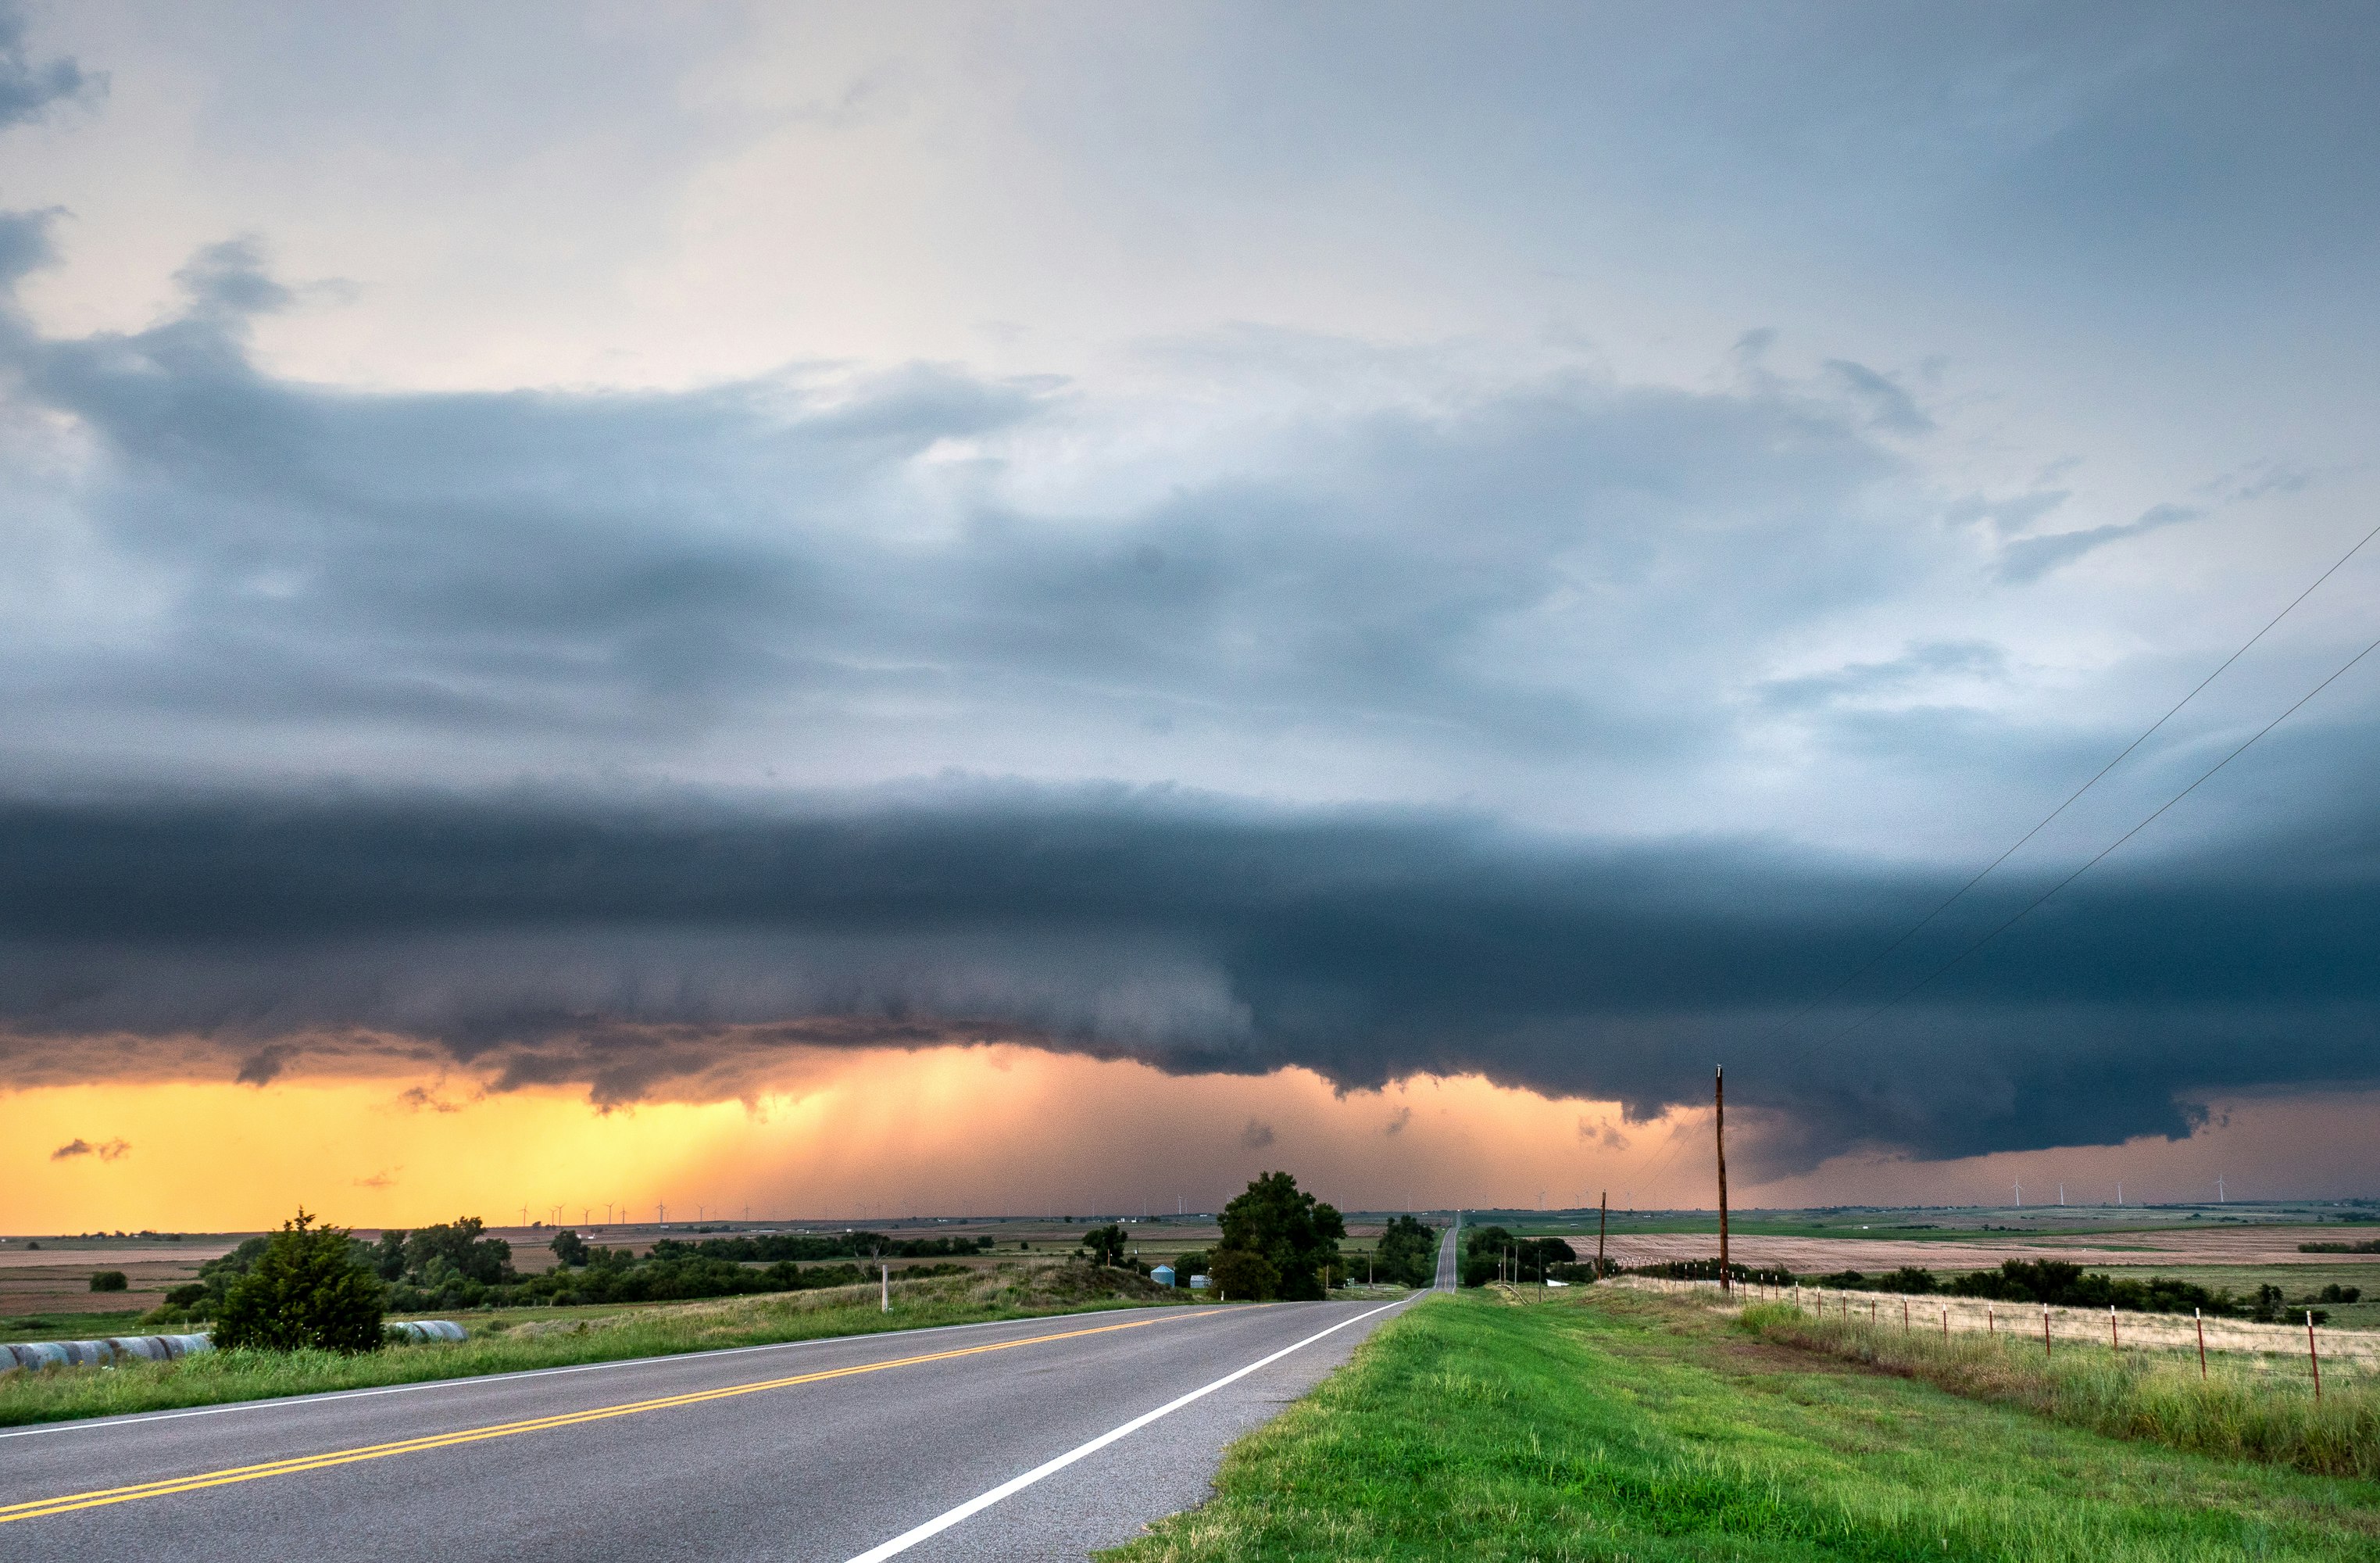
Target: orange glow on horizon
877 1134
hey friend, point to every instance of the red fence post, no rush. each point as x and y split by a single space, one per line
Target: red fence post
2044 1330
2313 1356
2113 1344
2200 1315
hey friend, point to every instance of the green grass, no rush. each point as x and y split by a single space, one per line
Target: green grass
75 1326
2240 1410
557 1339
1615 1426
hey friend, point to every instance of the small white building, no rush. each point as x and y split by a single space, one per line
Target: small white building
1163 1275
1202 1283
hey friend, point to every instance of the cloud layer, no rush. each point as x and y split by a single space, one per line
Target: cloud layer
552 626
672 950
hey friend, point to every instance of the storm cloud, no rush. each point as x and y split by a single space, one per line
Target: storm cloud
601 558
673 950
830 578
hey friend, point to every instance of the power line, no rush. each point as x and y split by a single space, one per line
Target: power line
2072 798
1678 1145
2200 687
2150 819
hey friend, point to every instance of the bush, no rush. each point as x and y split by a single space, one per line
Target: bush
1244 1274
307 1288
569 1248
108 1280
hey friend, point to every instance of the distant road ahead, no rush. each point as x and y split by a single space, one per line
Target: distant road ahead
824 1451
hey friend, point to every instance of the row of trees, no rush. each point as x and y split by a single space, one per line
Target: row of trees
1493 1253
2052 1281
1280 1242
310 1285
315 1286
2061 1284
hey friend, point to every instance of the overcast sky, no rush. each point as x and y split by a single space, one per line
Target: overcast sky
1394 541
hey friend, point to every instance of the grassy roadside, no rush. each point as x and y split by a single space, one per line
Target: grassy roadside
2236 1412
1627 1426
501 1345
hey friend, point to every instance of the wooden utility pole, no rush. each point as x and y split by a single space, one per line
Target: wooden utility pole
1602 1224
1719 1101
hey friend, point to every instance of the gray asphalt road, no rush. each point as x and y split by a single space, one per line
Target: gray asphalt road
813 1450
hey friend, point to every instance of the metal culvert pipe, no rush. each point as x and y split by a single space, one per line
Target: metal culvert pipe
426 1329
30 1354
24 1355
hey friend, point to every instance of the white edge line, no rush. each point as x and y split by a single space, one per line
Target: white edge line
942 1522
285 1402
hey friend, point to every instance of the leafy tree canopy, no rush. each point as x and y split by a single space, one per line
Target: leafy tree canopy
1290 1230
307 1288
1105 1244
1407 1254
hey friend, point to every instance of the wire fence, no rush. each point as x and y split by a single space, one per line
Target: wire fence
2281 1350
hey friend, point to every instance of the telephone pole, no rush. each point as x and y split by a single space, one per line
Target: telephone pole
1602 1226
1718 1105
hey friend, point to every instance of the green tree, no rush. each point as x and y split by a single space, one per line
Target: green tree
306 1289
1407 1254
569 1247
1244 1274
465 1253
1289 1229
108 1280
1105 1244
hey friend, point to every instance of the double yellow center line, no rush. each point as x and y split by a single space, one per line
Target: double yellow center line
38 1508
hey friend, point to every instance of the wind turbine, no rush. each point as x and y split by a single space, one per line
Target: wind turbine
2019 1193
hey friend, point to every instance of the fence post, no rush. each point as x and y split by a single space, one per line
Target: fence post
1991 1319
1946 1321
2113 1344
2313 1356
1904 1316
2199 1314
1871 1312
2044 1330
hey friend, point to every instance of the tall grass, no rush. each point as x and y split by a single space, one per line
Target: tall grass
497 1345
2236 1410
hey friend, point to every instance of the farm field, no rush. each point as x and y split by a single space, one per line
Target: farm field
508 1340
46 1291
1603 1424
2236 1255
